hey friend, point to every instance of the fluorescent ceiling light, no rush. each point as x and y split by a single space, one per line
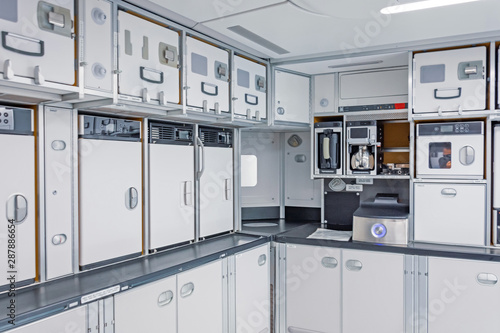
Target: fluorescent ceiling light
412 6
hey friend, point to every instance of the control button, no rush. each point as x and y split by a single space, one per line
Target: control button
5 114
6 121
379 230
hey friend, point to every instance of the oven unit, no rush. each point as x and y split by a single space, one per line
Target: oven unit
452 150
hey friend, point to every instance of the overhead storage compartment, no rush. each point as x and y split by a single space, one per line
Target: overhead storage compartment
148 60
383 89
207 77
38 41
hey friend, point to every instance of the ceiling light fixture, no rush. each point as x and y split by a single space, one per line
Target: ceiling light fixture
412 6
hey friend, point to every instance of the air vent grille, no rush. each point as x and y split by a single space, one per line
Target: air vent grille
162 132
216 137
170 133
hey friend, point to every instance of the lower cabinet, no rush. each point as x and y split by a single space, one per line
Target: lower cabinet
252 291
201 299
373 292
329 290
463 296
155 304
74 321
313 289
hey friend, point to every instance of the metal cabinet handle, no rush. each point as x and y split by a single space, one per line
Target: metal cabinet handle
205 91
487 279
144 69
17 208
329 262
251 99
354 265
187 289
202 158
262 260
165 298
449 192
9 46
447 97
227 188
188 193
132 198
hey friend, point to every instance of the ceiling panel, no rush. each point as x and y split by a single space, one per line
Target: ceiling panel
350 64
352 29
203 10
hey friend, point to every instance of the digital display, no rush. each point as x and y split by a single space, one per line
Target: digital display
447 128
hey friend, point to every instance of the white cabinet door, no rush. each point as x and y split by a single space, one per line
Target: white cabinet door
148 60
373 292
73 321
58 191
291 97
253 291
457 215
97 23
110 199
463 296
313 297
37 39
171 184
151 308
200 300
324 98
207 76
216 191
250 87
17 203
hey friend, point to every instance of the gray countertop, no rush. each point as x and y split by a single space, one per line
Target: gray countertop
44 299
299 236
269 227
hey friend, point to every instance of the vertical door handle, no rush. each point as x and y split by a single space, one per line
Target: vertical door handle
187 290
165 298
329 262
188 193
262 260
487 279
354 265
132 198
467 155
17 208
202 158
227 187
449 192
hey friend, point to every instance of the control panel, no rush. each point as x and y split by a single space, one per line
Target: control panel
6 119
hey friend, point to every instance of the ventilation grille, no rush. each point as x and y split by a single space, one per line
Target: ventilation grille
216 137
238 29
170 133
162 132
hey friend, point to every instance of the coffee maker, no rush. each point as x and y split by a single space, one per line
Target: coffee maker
362 147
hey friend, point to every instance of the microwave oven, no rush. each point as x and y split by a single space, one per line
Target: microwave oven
453 150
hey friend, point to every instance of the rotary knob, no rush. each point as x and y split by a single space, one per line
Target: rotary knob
379 230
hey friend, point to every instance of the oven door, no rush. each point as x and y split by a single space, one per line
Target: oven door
450 156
